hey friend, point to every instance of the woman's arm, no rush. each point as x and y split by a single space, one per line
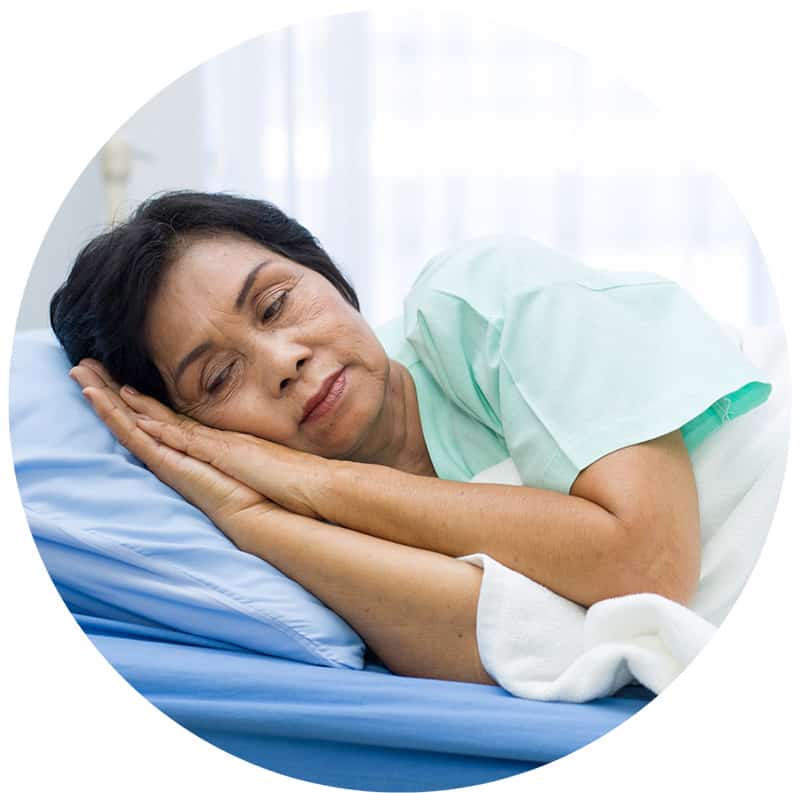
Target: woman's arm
630 523
415 608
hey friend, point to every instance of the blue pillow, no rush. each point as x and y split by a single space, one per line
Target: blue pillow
119 543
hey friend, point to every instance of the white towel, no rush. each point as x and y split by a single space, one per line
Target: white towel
538 645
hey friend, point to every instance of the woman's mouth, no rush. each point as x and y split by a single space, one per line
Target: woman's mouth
330 400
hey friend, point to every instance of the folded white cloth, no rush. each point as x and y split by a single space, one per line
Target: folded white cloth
538 645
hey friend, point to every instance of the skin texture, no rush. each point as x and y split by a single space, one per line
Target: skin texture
415 608
349 506
267 357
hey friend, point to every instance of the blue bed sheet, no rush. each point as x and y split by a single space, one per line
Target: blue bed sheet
364 730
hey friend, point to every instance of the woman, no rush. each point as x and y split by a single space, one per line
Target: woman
265 399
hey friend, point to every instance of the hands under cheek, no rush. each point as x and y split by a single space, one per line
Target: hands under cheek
222 473
287 476
230 504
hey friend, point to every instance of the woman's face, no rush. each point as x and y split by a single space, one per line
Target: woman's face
244 337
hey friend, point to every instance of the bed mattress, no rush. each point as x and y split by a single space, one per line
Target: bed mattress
359 729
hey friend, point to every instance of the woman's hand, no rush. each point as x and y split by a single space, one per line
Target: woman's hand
282 475
414 608
232 506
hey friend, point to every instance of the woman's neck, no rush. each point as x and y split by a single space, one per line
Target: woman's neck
402 443
416 447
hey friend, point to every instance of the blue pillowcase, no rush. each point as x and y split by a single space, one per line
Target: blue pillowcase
118 543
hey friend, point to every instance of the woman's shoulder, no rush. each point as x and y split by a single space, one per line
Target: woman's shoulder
482 273
464 282
490 256
486 271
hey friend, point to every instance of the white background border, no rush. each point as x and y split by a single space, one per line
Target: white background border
74 72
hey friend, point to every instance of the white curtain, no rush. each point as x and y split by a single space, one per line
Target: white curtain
392 136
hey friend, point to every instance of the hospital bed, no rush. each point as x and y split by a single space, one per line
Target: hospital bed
360 729
249 661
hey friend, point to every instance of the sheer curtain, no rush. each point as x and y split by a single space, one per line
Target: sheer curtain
392 136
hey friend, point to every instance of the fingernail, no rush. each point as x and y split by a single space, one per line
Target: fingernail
129 390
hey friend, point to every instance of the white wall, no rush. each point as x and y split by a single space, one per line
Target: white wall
80 217
392 137
168 151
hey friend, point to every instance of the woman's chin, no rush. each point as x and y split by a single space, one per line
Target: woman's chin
349 439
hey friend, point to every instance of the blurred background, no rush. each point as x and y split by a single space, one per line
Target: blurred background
392 136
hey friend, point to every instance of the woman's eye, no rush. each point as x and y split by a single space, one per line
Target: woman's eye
219 380
274 308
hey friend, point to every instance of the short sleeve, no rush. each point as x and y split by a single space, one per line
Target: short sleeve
570 363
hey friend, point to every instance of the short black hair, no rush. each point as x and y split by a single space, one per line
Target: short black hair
100 310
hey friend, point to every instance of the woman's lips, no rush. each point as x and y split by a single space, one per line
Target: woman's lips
331 399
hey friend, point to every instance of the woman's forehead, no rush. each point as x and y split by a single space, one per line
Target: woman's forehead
209 280
222 255
219 271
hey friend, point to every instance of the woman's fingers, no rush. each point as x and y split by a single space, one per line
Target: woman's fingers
120 408
278 473
275 471
180 432
92 372
97 368
148 406
121 420
192 438
86 376
177 470
221 497
235 508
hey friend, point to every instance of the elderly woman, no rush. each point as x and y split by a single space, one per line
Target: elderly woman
253 386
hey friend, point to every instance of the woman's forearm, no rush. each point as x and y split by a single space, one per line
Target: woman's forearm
416 609
630 523
569 544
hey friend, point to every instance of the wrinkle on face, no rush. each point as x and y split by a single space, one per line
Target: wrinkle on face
315 333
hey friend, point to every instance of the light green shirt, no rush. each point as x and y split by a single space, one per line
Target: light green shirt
518 350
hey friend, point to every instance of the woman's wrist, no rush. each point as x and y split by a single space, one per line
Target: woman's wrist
315 488
331 488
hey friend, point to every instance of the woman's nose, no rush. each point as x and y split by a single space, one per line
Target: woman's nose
284 383
279 364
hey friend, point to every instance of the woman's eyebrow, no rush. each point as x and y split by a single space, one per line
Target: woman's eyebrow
191 357
248 283
205 346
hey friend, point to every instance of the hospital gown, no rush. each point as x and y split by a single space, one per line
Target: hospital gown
529 367
517 350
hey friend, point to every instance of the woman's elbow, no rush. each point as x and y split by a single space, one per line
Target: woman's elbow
679 585
669 568
679 588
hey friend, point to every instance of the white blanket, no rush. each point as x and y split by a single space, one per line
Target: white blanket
538 645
